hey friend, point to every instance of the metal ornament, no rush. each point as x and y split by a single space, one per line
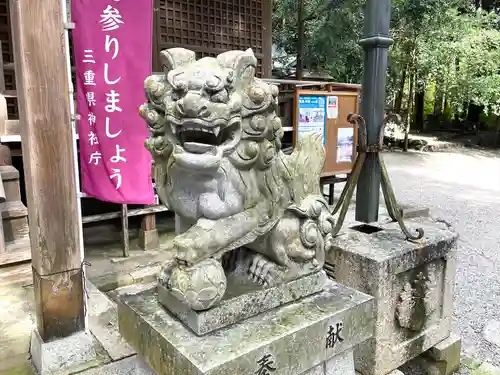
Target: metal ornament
395 212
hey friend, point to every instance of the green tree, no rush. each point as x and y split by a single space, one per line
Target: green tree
450 48
331 30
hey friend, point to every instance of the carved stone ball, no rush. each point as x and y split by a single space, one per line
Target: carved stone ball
201 286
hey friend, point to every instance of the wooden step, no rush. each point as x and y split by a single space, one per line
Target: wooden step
16 251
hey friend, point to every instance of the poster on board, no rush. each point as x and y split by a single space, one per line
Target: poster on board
332 110
345 145
312 116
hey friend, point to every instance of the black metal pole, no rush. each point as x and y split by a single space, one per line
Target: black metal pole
376 42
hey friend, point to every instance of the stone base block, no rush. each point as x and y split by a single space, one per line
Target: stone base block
444 357
294 339
70 354
128 366
413 285
242 300
148 239
341 364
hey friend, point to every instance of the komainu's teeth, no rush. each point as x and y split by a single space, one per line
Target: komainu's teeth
216 131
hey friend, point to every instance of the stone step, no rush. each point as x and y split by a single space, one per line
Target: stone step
10 178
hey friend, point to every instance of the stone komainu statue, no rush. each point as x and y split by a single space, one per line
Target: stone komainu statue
239 201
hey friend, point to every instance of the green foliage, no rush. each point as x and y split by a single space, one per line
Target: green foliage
332 29
430 95
443 43
463 55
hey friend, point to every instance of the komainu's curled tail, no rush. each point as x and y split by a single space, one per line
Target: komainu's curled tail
305 165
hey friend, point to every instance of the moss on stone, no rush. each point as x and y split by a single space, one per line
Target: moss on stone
20 369
471 363
486 369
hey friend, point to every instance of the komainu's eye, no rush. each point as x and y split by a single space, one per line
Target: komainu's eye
213 84
220 96
175 95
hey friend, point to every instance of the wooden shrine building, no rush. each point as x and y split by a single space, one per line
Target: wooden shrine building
207 27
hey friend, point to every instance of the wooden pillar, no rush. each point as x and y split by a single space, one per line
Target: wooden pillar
267 36
46 133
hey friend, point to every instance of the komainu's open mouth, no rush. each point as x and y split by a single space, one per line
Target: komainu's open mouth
198 137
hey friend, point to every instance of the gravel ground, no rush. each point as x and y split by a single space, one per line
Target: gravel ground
463 188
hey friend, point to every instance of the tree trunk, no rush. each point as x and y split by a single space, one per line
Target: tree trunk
299 69
438 99
419 109
409 115
457 113
497 132
399 96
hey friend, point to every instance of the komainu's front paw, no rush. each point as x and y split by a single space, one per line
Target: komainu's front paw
185 250
198 243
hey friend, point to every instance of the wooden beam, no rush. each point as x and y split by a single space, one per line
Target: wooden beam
8 258
149 210
43 96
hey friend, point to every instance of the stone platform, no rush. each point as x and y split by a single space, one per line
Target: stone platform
315 335
412 283
243 299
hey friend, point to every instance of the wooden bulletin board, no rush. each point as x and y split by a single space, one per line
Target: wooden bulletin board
326 112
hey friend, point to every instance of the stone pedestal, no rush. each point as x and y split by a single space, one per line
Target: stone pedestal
312 336
243 299
412 283
75 352
444 358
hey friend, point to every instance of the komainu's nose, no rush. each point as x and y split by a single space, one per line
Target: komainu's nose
193 106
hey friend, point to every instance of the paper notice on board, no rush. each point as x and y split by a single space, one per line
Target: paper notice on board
332 110
345 145
312 116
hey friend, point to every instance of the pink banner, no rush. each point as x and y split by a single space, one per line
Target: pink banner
113 47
